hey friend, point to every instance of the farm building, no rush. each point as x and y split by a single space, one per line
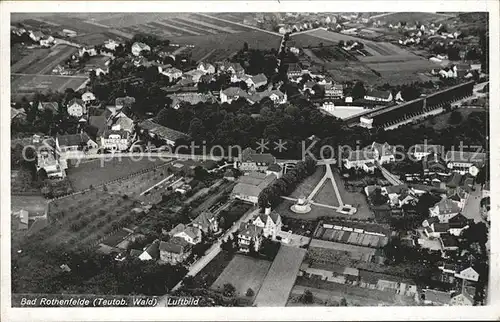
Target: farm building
249 186
155 130
138 47
253 161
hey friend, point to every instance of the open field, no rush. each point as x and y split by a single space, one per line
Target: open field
229 43
210 273
42 60
35 205
26 85
307 186
92 173
281 277
441 121
412 17
243 272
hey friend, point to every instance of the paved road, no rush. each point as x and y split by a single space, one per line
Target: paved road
240 24
67 76
389 176
472 205
211 253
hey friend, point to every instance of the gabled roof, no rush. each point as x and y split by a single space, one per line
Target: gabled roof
447 206
274 217
378 94
429 148
259 78
204 219
141 45
250 230
76 101
455 180
360 155
72 139
440 227
153 250
396 189
448 240
249 155
175 245
383 149
234 91
461 156
162 131
458 219
274 167
53 106
192 232
135 253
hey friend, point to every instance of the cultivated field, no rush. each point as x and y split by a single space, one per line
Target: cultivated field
281 277
243 272
42 61
27 85
413 17
91 172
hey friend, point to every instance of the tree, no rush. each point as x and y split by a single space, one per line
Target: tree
228 290
378 198
307 297
250 293
455 117
343 302
358 91
245 46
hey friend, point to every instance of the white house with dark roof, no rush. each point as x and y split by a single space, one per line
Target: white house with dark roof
253 161
468 273
275 169
231 94
270 222
334 91
76 107
190 234
172 73
88 98
74 143
359 158
115 139
378 96
465 162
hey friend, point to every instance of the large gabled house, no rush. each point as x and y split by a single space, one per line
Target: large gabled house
151 252
190 234
444 210
206 222
378 96
231 94
465 162
206 68
138 48
251 185
175 251
155 130
270 222
360 159
420 151
74 143
250 160
384 153
76 107
249 235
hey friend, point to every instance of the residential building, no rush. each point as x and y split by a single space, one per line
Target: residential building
255 81
444 210
154 130
76 107
206 68
74 143
88 98
378 96
463 298
277 96
124 102
190 234
189 98
228 67
394 192
270 222
151 252
459 196
294 70
434 297
36 35
172 73
111 44
138 47
250 186
232 93
465 162
249 235
48 160
115 139
384 153
275 169
358 158
253 161
334 91
175 251
468 273
193 75
89 50
120 122
50 106
206 222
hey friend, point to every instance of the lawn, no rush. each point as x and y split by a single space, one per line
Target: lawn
209 274
356 199
307 186
412 17
326 195
281 277
95 172
442 121
243 272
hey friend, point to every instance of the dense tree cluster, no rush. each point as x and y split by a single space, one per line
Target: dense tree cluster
283 186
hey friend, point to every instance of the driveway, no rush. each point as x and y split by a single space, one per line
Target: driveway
211 253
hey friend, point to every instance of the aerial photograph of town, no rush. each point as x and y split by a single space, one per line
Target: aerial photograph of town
249 159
